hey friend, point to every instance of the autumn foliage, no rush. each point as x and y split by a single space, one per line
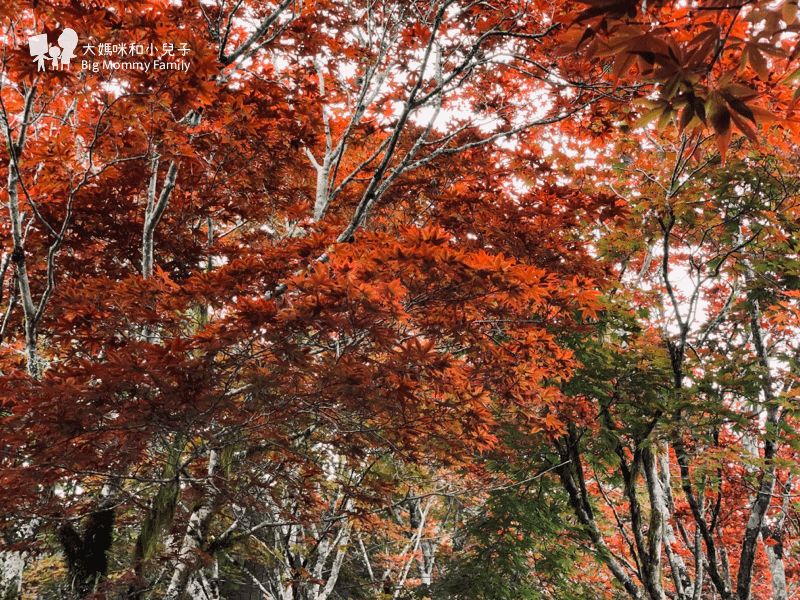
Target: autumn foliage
371 295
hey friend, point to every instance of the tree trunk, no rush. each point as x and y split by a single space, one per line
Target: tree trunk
85 552
12 566
196 533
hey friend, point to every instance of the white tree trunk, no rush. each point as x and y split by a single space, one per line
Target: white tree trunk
195 536
12 566
776 567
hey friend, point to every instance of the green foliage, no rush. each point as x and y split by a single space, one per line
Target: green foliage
521 548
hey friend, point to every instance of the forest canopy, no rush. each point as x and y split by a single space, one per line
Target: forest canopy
383 299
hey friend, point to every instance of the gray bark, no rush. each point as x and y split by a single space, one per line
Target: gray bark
773 546
585 517
763 497
196 533
156 204
658 520
12 564
666 505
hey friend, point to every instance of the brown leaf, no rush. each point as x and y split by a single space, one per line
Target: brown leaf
739 106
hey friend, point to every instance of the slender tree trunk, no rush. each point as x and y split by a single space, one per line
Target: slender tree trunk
326 548
160 516
196 533
12 564
663 502
658 521
568 473
773 546
776 567
766 488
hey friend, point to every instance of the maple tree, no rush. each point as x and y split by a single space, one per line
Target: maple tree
336 307
691 460
237 298
694 373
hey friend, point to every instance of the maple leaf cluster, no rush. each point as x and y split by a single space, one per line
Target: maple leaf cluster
358 298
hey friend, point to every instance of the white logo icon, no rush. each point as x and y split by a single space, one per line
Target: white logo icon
40 51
